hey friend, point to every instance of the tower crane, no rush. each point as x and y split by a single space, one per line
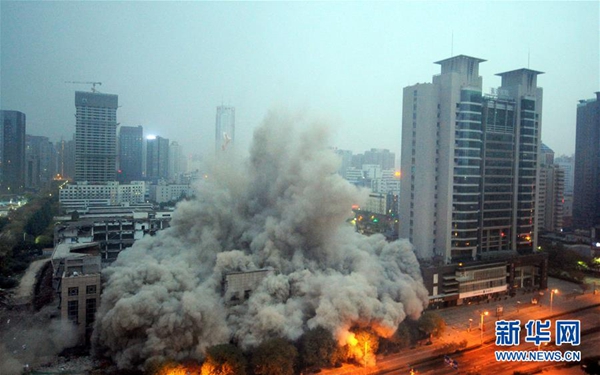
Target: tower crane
87 83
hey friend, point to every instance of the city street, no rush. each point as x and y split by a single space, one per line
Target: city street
480 359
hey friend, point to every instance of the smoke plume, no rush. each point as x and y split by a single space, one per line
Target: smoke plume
27 339
285 208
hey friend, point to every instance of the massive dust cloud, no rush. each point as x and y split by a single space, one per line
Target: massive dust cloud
32 339
284 208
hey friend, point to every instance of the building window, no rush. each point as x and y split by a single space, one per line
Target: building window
90 289
90 311
73 311
74 291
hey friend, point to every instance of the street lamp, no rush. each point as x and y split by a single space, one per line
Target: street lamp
552 297
481 315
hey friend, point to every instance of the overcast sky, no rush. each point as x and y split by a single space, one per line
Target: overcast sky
172 63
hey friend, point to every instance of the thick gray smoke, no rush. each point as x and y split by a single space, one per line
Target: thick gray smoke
285 208
27 339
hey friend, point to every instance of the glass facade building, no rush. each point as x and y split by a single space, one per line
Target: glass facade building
131 144
95 137
12 151
469 163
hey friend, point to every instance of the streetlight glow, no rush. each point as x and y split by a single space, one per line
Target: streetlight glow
482 314
552 292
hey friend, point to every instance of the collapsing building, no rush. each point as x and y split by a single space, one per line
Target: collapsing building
76 279
112 234
237 286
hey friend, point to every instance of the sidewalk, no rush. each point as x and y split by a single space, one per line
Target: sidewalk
457 323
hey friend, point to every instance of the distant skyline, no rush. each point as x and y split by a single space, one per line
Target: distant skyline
345 63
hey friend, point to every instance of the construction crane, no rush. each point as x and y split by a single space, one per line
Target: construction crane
87 83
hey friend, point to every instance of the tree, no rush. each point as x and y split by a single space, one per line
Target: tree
317 348
432 324
225 359
402 338
274 357
363 346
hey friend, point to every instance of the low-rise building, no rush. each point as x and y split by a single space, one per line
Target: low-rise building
457 284
77 280
162 193
81 196
113 232
237 286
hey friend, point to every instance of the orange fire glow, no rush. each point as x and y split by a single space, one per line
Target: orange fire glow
352 341
180 369
361 346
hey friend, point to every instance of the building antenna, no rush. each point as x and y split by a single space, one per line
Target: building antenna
452 45
528 57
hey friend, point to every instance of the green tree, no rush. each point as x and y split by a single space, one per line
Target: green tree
432 324
225 359
274 357
564 263
317 348
402 338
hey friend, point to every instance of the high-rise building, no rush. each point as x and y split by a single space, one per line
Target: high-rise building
381 157
175 161
469 163
345 161
95 137
40 161
131 147
586 196
65 153
225 128
567 164
12 151
550 195
157 158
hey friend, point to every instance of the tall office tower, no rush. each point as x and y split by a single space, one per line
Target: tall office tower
12 151
521 86
586 196
567 163
131 148
357 161
95 137
441 161
345 161
65 165
157 158
225 128
381 157
175 161
550 192
464 158
41 158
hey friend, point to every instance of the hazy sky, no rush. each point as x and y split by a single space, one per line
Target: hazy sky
172 63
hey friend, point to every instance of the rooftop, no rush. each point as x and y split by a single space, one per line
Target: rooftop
459 57
522 70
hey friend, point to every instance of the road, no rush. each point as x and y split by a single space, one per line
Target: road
457 319
24 292
481 360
